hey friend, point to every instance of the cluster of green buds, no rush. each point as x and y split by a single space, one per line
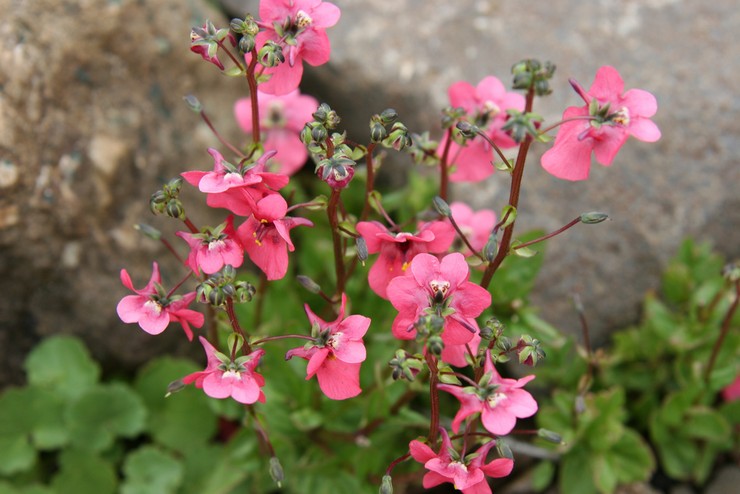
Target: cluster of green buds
271 54
223 285
531 73
315 132
520 125
493 329
405 366
167 200
206 39
529 350
248 29
397 137
423 149
429 327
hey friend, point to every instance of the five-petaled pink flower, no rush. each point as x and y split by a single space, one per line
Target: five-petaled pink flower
224 377
485 106
298 26
335 354
500 401
476 225
213 249
467 474
281 119
153 309
265 235
439 288
236 187
609 117
398 249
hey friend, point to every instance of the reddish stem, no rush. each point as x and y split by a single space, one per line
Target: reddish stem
726 323
252 81
443 167
336 239
370 181
434 397
549 235
223 141
236 326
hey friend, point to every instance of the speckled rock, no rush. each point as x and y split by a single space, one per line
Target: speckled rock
91 122
405 53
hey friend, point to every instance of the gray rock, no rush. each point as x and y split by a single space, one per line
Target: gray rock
405 53
91 123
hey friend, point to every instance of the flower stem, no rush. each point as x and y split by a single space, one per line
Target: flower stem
516 183
464 238
549 235
370 181
336 239
282 337
434 397
236 326
252 82
223 141
726 322
444 171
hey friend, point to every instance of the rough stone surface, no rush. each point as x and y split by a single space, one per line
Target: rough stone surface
405 53
91 122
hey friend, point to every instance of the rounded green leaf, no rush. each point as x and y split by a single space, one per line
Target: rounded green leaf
102 414
62 364
16 454
150 470
84 473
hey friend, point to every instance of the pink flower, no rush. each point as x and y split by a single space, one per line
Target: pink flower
224 377
477 226
441 289
213 249
298 26
732 392
398 249
265 235
204 41
335 355
466 474
500 401
153 309
485 105
614 117
236 188
281 118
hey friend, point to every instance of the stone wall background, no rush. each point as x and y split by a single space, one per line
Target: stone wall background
91 122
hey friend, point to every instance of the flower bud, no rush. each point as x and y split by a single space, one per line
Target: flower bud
731 272
399 138
149 231
388 116
174 387
467 129
435 345
174 209
491 247
244 292
216 297
308 283
550 436
377 132
193 103
593 218
321 113
362 253
276 471
503 449
271 54
386 485
441 206
246 43
319 133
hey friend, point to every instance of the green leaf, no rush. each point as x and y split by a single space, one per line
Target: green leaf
542 475
16 454
62 364
707 424
84 473
632 458
576 472
149 470
604 473
306 419
102 414
182 421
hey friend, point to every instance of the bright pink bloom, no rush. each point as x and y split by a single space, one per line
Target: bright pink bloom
500 401
153 310
224 377
614 117
265 235
236 188
298 26
485 105
336 353
213 249
466 474
442 289
281 119
476 225
398 249
732 392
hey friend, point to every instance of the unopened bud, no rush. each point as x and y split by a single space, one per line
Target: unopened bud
731 272
441 206
503 449
174 209
362 252
276 471
149 231
174 387
377 132
193 103
216 297
308 283
435 345
244 292
246 43
593 218
550 436
270 55
319 133
386 485
388 116
321 113
467 129
491 247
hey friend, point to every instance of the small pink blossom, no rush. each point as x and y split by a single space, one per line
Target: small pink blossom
476 225
467 474
224 377
213 249
281 119
204 41
485 105
500 401
298 26
236 187
614 116
732 392
440 288
336 353
153 309
398 249
265 235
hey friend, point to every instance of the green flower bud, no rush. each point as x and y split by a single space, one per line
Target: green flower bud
308 283
441 206
270 55
244 292
467 129
362 253
491 248
174 209
216 297
503 449
319 133
377 132
386 485
321 113
246 43
435 345
593 218
388 116
276 471
193 103
174 387
550 436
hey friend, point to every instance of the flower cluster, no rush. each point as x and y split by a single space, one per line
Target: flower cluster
422 272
